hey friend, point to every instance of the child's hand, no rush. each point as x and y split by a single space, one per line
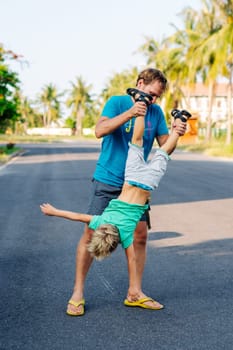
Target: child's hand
47 209
179 126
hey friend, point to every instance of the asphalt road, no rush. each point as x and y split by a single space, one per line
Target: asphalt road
189 265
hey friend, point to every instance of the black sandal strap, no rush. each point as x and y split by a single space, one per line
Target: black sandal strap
176 113
140 96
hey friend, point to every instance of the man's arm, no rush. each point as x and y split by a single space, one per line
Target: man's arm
48 209
107 125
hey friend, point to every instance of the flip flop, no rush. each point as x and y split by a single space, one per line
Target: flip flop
141 303
76 304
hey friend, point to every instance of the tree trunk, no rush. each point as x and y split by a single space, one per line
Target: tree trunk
45 117
229 111
49 117
80 114
209 119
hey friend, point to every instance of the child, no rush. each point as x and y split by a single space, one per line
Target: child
118 221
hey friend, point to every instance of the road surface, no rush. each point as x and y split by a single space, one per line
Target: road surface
189 264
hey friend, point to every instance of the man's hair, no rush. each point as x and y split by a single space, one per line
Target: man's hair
103 241
151 74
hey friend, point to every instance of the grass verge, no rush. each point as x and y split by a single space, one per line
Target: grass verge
6 153
216 149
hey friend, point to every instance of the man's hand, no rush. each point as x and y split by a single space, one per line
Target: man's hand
138 110
48 209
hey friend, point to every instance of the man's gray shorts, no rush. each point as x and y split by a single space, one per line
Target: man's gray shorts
100 196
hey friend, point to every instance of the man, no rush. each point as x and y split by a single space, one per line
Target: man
116 127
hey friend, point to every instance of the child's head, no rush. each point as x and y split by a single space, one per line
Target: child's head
104 241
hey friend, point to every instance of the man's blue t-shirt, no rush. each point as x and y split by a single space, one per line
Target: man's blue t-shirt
111 163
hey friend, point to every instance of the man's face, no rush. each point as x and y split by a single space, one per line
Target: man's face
155 89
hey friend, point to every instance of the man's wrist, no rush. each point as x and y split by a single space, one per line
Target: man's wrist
129 115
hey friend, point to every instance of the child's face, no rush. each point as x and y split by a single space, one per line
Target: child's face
155 89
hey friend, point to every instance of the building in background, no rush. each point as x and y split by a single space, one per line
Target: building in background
197 101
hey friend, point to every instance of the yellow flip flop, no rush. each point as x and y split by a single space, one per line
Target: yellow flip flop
141 303
76 304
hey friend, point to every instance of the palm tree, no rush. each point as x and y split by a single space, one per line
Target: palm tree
208 53
224 38
80 101
49 99
193 53
200 56
211 55
169 56
214 52
27 113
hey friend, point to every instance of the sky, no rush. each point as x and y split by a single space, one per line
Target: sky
65 39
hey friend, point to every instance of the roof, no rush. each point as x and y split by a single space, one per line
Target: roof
202 90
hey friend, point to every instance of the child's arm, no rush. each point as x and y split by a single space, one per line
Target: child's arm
133 291
173 138
171 142
48 209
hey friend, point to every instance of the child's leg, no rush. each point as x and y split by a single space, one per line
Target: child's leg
139 126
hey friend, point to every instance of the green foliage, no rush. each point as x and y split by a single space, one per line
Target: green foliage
6 151
118 84
88 121
70 123
30 117
9 102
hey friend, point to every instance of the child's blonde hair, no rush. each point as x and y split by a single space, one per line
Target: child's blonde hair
104 241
